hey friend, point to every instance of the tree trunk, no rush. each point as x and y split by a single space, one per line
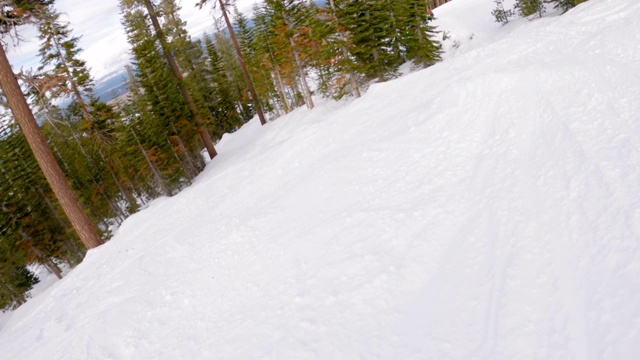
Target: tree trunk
43 154
202 130
53 268
281 91
303 78
247 77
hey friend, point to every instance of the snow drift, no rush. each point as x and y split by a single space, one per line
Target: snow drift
486 207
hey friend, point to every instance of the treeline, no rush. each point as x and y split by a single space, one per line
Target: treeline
183 94
534 8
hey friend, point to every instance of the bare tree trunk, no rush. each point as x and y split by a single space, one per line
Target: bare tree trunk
355 88
42 258
53 268
247 77
281 91
202 130
43 154
303 78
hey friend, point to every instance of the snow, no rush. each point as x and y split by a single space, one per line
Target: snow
483 208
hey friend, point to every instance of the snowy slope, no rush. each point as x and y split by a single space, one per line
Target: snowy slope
484 208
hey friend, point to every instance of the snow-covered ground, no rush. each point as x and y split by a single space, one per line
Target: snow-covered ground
484 208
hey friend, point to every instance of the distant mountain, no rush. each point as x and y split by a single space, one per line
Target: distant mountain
112 87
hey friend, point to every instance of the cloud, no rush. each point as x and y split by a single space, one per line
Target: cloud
102 37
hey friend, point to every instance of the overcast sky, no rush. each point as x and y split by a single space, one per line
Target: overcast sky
104 43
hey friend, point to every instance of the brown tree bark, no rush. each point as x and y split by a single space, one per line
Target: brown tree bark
53 173
202 130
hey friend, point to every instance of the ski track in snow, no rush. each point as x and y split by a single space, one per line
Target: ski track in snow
483 208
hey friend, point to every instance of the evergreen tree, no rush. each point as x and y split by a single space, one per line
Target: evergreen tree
260 75
285 27
13 14
16 281
501 14
529 7
95 134
31 224
565 5
60 50
177 74
372 38
241 61
416 38
229 64
158 127
268 57
223 105
339 74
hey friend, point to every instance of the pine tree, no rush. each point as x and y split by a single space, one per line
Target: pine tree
501 14
19 13
283 27
372 38
268 57
565 5
241 61
175 70
59 54
416 38
32 223
223 105
144 30
158 127
336 61
527 8
60 50
260 75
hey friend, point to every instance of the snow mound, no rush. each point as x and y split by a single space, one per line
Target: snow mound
486 207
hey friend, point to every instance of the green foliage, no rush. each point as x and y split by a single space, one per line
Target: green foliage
59 56
18 12
283 33
415 37
527 8
158 125
16 282
501 14
565 5
32 226
260 75
223 105
373 38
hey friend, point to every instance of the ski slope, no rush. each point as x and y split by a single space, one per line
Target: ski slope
484 208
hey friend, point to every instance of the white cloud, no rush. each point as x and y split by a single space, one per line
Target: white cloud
102 38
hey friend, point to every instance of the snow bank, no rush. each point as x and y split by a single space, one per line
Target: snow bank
486 207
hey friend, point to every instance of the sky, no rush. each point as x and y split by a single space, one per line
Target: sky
483 208
102 38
